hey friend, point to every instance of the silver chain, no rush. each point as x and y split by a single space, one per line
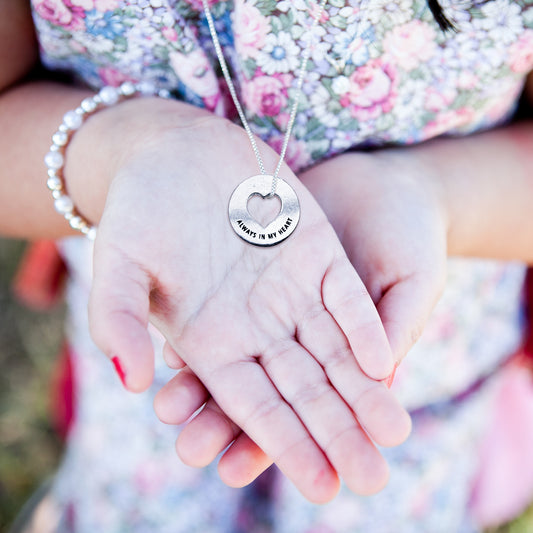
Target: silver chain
233 92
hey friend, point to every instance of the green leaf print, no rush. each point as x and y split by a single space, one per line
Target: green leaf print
464 99
266 7
385 122
296 32
276 26
287 21
120 44
338 22
248 68
161 52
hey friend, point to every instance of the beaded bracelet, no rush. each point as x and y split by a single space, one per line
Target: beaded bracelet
72 121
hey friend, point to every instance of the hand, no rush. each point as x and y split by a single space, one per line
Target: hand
286 339
388 215
387 209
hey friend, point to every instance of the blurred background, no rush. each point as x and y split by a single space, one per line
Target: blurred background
30 448
29 344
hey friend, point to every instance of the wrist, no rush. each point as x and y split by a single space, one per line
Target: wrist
61 139
484 189
111 137
425 174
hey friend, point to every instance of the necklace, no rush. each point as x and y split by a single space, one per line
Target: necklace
263 185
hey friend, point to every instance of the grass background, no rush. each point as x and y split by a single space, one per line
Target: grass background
29 448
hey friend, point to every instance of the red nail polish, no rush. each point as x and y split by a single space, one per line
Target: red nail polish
120 371
388 381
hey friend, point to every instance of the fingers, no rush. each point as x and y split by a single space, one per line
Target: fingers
171 357
118 318
349 303
405 309
180 398
330 441
378 411
243 462
390 379
302 382
205 436
247 395
209 432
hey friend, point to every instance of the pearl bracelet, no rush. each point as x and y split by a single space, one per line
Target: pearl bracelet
72 121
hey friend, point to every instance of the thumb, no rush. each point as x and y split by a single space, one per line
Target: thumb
119 307
404 310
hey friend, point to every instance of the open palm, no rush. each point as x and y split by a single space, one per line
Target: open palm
389 215
286 339
391 224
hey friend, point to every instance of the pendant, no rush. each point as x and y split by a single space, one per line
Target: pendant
247 228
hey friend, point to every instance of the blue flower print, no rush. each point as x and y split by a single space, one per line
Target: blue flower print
106 24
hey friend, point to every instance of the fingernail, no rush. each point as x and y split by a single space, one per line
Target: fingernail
120 371
388 381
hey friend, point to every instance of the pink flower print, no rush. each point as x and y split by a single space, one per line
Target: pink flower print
99 5
521 53
282 120
315 11
250 29
195 71
105 5
410 44
502 103
371 90
437 99
112 76
77 47
265 95
467 80
448 121
297 156
60 12
170 33
197 5
84 4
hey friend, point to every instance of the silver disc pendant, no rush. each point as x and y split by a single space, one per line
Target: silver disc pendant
249 229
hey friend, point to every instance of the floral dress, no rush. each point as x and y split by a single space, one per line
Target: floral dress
380 72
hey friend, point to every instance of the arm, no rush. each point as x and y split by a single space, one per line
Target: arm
400 212
485 184
480 185
156 176
30 112
23 205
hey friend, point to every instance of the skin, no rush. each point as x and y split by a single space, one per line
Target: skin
242 318
197 277
399 216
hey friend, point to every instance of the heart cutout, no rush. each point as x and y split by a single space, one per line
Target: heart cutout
264 209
